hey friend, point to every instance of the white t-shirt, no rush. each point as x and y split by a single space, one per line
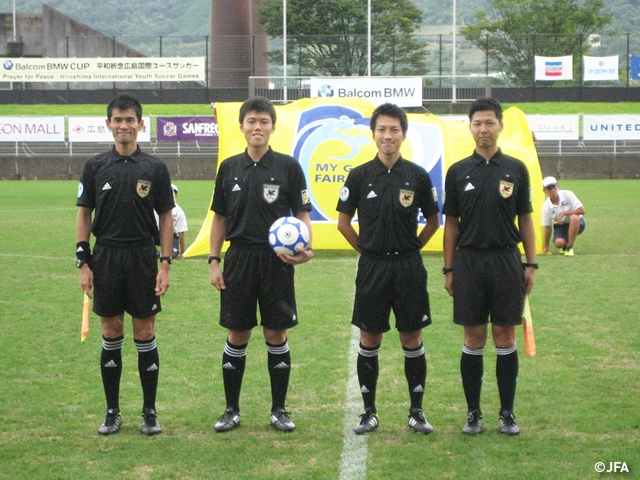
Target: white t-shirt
179 220
567 201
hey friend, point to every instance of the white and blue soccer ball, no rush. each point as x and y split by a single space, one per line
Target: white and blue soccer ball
286 234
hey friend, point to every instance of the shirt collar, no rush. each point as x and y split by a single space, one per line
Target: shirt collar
117 157
266 160
479 159
381 167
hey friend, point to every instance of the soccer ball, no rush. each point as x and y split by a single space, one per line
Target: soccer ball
286 234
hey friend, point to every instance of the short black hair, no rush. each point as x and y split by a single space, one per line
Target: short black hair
125 101
258 104
483 104
389 110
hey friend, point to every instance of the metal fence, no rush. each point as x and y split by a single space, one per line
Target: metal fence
210 149
87 150
474 55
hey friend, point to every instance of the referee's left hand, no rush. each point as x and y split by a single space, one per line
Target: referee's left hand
302 257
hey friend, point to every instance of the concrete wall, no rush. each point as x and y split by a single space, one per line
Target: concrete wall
28 26
590 167
70 168
204 168
56 35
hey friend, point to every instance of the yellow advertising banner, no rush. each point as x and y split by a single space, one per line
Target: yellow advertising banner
330 136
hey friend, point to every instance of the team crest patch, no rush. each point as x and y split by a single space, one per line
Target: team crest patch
506 189
270 192
305 197
406 197
143 188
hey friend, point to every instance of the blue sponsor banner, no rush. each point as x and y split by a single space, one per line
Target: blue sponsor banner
187 129
635 67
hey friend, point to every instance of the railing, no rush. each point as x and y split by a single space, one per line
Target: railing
437 59
87 150
210 149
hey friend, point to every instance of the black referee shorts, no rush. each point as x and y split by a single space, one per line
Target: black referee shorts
124 280
398 284
255 276
488 285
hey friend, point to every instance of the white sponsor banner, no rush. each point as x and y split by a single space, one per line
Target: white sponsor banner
120 69
94 129
31 129
554 68
611 127
555 127
600 68
403 91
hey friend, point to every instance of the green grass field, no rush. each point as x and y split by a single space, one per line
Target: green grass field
204 109
577 401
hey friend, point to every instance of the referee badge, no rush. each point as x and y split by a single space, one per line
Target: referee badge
143 188
406 197
506 189
270 192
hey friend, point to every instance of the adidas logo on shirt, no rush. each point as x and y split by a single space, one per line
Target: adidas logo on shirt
469 187
106 186
372 194
236 188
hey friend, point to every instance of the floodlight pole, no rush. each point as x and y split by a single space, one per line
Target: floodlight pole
15 36
284 48
453 82
368 38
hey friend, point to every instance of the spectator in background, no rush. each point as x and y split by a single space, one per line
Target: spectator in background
565 212
179 226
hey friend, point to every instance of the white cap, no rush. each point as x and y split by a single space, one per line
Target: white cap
549 182
175 189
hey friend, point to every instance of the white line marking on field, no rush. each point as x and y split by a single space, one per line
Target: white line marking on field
39 257
354 447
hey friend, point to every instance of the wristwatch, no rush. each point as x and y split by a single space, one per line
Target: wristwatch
168 259
79 263
534 265
446 270
212 258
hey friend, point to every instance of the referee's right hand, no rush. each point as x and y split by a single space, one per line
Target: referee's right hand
217 279
86 280
448 283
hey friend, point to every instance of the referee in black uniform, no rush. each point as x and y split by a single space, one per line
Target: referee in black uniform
388 192
484 194
122 188
254 189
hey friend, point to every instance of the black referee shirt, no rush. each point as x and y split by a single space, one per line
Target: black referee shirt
252 195
486 197
387 202
124 191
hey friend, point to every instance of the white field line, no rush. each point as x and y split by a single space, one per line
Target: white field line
353 465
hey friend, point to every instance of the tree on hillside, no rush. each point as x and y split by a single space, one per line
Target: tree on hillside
329 37
514 31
